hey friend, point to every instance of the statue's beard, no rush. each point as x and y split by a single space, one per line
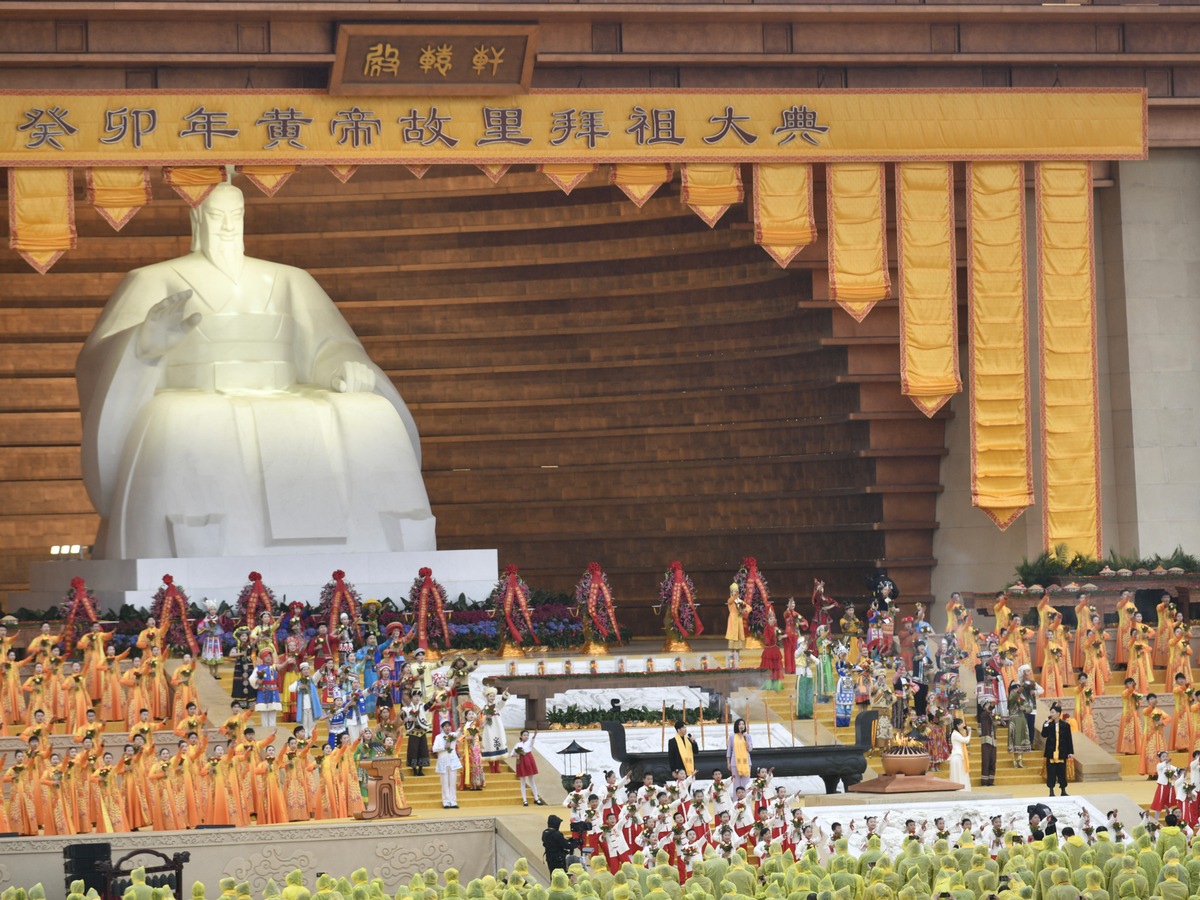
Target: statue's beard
227 256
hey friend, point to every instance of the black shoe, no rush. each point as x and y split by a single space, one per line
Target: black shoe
540 802
1052 793
524 802
1063 794
455 806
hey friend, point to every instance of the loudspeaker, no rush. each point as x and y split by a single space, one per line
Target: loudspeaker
4 834
211 827
79 864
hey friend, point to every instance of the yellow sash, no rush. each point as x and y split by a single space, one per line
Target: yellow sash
741 756
685 754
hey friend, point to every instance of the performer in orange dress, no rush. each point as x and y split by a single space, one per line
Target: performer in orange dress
112 695
112 809
1179 655
1043 611
274 807
1084 698
1096 659
1166 616
1154 739
1141 651
185 691
1054 658
163 814
1083 618
157 689
12 698
1126 610
92 646
23 818
77 701
1184 736
1129 732
137 699
37 686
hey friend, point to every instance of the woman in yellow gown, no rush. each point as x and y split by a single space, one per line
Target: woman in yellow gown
1141 651
1166 618
37 686
12 698
1126 610
1085 723
1043 613
852 632
137 699
1003 613
112 695
1053 661
1083 618
1179 655
1095 660
1154 738
185 691
158 691
112 810
1183 737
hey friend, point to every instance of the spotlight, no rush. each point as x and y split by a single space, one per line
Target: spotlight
54 551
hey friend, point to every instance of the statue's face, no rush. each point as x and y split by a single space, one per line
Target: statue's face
221 215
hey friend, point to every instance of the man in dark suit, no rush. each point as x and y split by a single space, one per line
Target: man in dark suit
1059 748
682 751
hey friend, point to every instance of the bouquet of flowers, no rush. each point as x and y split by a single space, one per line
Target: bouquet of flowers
79 602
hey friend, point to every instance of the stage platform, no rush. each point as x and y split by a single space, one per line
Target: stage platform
294 576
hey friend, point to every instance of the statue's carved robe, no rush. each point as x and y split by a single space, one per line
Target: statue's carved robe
233 443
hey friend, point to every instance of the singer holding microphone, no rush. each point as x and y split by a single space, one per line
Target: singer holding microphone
448 764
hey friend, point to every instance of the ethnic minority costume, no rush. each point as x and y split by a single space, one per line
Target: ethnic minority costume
772 656
265 678
495 741
805 671
843 698
416 726
307 702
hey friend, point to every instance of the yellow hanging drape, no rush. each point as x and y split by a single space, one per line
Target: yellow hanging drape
928 284
1001 466
117 193
41 214
858 261
345 173
495 171
1070 409
711 188
268 179
639 181
567 175
784 223
194 183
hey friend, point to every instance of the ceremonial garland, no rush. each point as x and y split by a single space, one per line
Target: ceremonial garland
593 587
753 588
509 590
78 600
255 598
425 591
681 619
169 608
339 596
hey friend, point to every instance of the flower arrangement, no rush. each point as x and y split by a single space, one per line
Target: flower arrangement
169 606
255 598
339 596
427 600
593 596
78 602
752 588
681 619
511 590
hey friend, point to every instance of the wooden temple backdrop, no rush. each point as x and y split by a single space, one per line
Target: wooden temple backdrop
591 380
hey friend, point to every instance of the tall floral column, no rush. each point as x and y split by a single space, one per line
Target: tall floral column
677 602
593 598
509 602
753 589
427 606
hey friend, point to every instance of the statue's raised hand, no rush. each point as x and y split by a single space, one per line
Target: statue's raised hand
353 377
165 326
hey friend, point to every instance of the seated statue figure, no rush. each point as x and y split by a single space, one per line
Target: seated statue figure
229 410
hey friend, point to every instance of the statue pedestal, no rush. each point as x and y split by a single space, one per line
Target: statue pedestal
298 577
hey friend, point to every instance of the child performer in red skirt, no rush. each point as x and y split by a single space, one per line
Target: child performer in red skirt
527 767
772 656
1164 793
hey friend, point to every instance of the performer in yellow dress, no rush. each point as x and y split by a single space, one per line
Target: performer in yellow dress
1184 735
1141 650
1003 613
1126 610
1083 618
1166 616
1054 658
1084 698
1043 611
1129 732
1179 655
852 631
735 625
1095 662
1154 740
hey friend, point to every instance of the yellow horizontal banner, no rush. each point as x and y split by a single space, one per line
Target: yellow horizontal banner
196 128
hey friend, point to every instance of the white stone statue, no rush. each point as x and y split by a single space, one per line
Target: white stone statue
229 410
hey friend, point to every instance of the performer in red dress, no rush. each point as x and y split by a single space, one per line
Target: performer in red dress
823 607
793 624
772 656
